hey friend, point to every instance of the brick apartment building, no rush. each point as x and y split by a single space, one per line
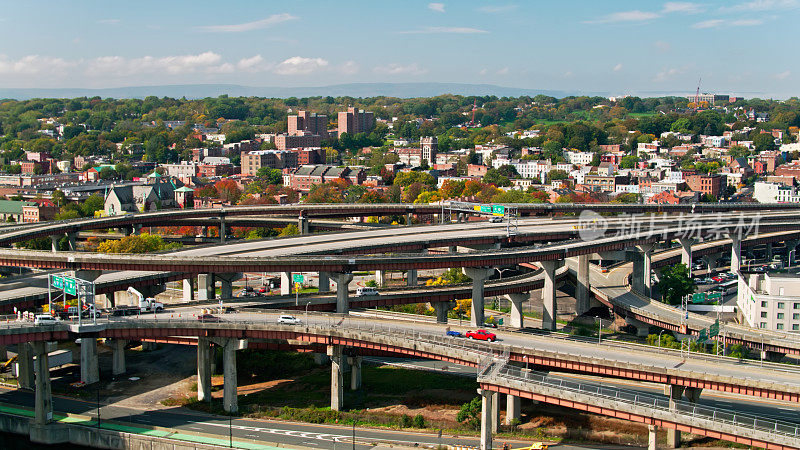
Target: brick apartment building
274 159
306 122
355 121
306 176
711 184
287 141
215 170
307 156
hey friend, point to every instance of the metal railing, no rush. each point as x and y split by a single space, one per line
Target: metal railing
688 411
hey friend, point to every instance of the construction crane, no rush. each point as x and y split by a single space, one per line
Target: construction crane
474 108
697 95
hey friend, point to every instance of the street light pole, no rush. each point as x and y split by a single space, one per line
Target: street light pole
659 338
599 329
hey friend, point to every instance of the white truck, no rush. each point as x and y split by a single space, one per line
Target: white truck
145 305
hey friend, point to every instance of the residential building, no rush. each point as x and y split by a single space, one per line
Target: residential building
770 301
674 198
136 198
306 122
304 177
306 139
185 169
711 184
578 158
354 121
274 159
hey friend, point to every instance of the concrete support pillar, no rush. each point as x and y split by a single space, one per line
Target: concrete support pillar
25 376
652 437
342 281
692 394
3 353
411 277
286 283
226 286
54 243
582 286
441 309
90 371
479 276
355 372
686 252
736 253
337 377
409 216
711 262
230 400
495 411
223 229
550 310
117 356
324 282
515 315
462 217
512 408
205 286
73 246
486 419
203 369
136 229
302 224
674 393
43 410
380 277
188 289
768 250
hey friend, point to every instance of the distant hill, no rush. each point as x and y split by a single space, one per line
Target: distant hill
195 91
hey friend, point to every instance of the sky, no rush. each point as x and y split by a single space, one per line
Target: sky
739 47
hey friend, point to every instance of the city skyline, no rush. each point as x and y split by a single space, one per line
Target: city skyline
618 47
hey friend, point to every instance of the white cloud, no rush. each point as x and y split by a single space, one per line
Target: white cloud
682 7
399 69
568 74
666 74
783 75
662 46
250 26
349 68
298 65
173 65
627 16
446 30
711 23
109 21
716 23
497 9
503 71
618 67
762 5
33 64
483 72
438 7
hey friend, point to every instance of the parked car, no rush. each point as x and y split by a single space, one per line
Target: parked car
208 318
490 324
288 320
366 291
495 219
718 279
482 335
454 333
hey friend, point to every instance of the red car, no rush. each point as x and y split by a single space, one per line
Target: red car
482 335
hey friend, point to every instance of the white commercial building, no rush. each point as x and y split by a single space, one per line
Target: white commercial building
579 158
770 301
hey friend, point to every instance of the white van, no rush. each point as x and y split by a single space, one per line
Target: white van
44 319
365 291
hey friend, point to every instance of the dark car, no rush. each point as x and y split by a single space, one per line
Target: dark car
490 324
208 318
454 333
482 335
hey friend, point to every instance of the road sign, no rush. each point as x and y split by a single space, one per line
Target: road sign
498 210
58 282
713 330
699 297
70 286
297 277
486 208
715 296
703 336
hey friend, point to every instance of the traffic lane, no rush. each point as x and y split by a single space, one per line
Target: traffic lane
289 433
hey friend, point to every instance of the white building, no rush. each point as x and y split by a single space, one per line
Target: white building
770 301
578 158
770 192
713 141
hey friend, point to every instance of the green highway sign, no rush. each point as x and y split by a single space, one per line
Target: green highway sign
699 297
715 296
713 330
486 208
58 282
70 286
498 210
297 277
702 337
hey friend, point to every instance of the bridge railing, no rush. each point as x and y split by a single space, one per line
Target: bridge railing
691 412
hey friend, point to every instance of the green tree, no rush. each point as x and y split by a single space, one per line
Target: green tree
270 176
764 141
58 197
629 162
493 176
91 205
675 283
470 413
289 230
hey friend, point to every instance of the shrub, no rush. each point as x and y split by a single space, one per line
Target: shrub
405 421
419 421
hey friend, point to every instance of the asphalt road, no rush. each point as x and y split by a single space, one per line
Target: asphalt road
287 433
